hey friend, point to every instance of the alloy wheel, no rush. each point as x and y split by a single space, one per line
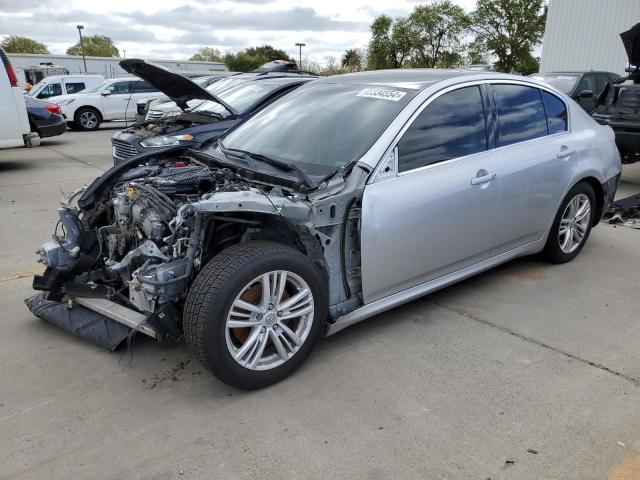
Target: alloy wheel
269 320
574 223
88 119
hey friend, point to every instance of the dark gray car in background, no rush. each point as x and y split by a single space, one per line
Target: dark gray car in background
583 87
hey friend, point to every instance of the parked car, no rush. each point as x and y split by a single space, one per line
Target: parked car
213 115
619 105
275 69
113 99
338 201
583 87
14 127
143 106
56 85
45 118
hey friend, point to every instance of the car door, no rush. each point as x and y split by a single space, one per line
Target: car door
536 159
51 90
115 99
435 215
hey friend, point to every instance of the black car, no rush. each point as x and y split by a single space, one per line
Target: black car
619 104
583 87
45 117
244 94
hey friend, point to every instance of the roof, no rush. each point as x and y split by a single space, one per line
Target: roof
576 72
415 78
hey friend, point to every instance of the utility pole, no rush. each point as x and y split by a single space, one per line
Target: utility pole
124 53
84 60
300 45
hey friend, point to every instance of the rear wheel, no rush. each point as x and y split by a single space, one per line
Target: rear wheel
572 225
87 119
254 313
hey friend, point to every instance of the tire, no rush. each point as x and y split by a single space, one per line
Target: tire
558 248
87 119
238 272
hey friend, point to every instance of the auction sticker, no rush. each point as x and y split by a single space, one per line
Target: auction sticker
382 93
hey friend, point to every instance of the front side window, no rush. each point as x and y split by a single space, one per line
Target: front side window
556 113
451 126
521 113
51 90
141 86
74 87
118 88
588 82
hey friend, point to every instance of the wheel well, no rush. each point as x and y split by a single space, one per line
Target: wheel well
88 107
597 189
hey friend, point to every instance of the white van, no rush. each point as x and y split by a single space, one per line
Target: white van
56 85
14 127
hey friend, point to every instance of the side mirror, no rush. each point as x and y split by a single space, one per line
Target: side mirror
586 94
106 92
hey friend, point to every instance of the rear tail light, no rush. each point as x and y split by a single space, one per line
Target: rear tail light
13 79
54 109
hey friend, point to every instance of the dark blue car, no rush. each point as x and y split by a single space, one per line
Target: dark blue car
192 126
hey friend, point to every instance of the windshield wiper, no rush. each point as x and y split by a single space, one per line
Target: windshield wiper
342 171
206 113
289 167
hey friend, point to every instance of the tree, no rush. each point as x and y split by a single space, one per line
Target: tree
252 58
510 29
391 42
352 60
95 46
207 54
438 28
16 44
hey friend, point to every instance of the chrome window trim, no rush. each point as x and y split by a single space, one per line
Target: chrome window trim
376 177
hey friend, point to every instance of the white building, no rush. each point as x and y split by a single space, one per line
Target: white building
585 35
107 66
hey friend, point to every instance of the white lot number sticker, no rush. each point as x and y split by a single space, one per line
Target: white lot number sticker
382 93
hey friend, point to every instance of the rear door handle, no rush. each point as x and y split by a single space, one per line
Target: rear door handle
483 179
565 151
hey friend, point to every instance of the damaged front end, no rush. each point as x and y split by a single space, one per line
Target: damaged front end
123 258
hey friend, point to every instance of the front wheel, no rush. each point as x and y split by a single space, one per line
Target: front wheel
572 225
87 119
254 313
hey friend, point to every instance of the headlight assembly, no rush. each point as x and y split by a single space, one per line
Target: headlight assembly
166 141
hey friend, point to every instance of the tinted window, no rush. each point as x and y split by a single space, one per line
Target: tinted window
520 112
601 81
51 90
141 87
451 126
556 113
74 87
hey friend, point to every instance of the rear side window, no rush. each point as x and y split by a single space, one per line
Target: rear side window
451 126
556 113
520 112
74 87
143 87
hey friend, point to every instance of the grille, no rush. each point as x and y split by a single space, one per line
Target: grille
153 115
123 149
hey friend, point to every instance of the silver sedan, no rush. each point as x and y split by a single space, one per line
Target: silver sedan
340 200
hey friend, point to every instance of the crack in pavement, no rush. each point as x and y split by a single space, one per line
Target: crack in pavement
75 159
460 311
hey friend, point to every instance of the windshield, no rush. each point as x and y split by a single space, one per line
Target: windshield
321 126
239 97
224 84
36 88
564 83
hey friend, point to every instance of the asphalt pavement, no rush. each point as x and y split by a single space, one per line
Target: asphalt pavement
530 371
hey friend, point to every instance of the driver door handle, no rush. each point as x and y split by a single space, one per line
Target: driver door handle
483 179
565 151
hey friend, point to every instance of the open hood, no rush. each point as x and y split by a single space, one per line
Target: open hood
631 41
175 86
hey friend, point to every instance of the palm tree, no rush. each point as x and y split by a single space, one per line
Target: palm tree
352 60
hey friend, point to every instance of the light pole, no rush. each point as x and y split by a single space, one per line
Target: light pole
300 45
84 60
124 53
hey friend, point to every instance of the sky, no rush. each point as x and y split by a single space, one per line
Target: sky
177 29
